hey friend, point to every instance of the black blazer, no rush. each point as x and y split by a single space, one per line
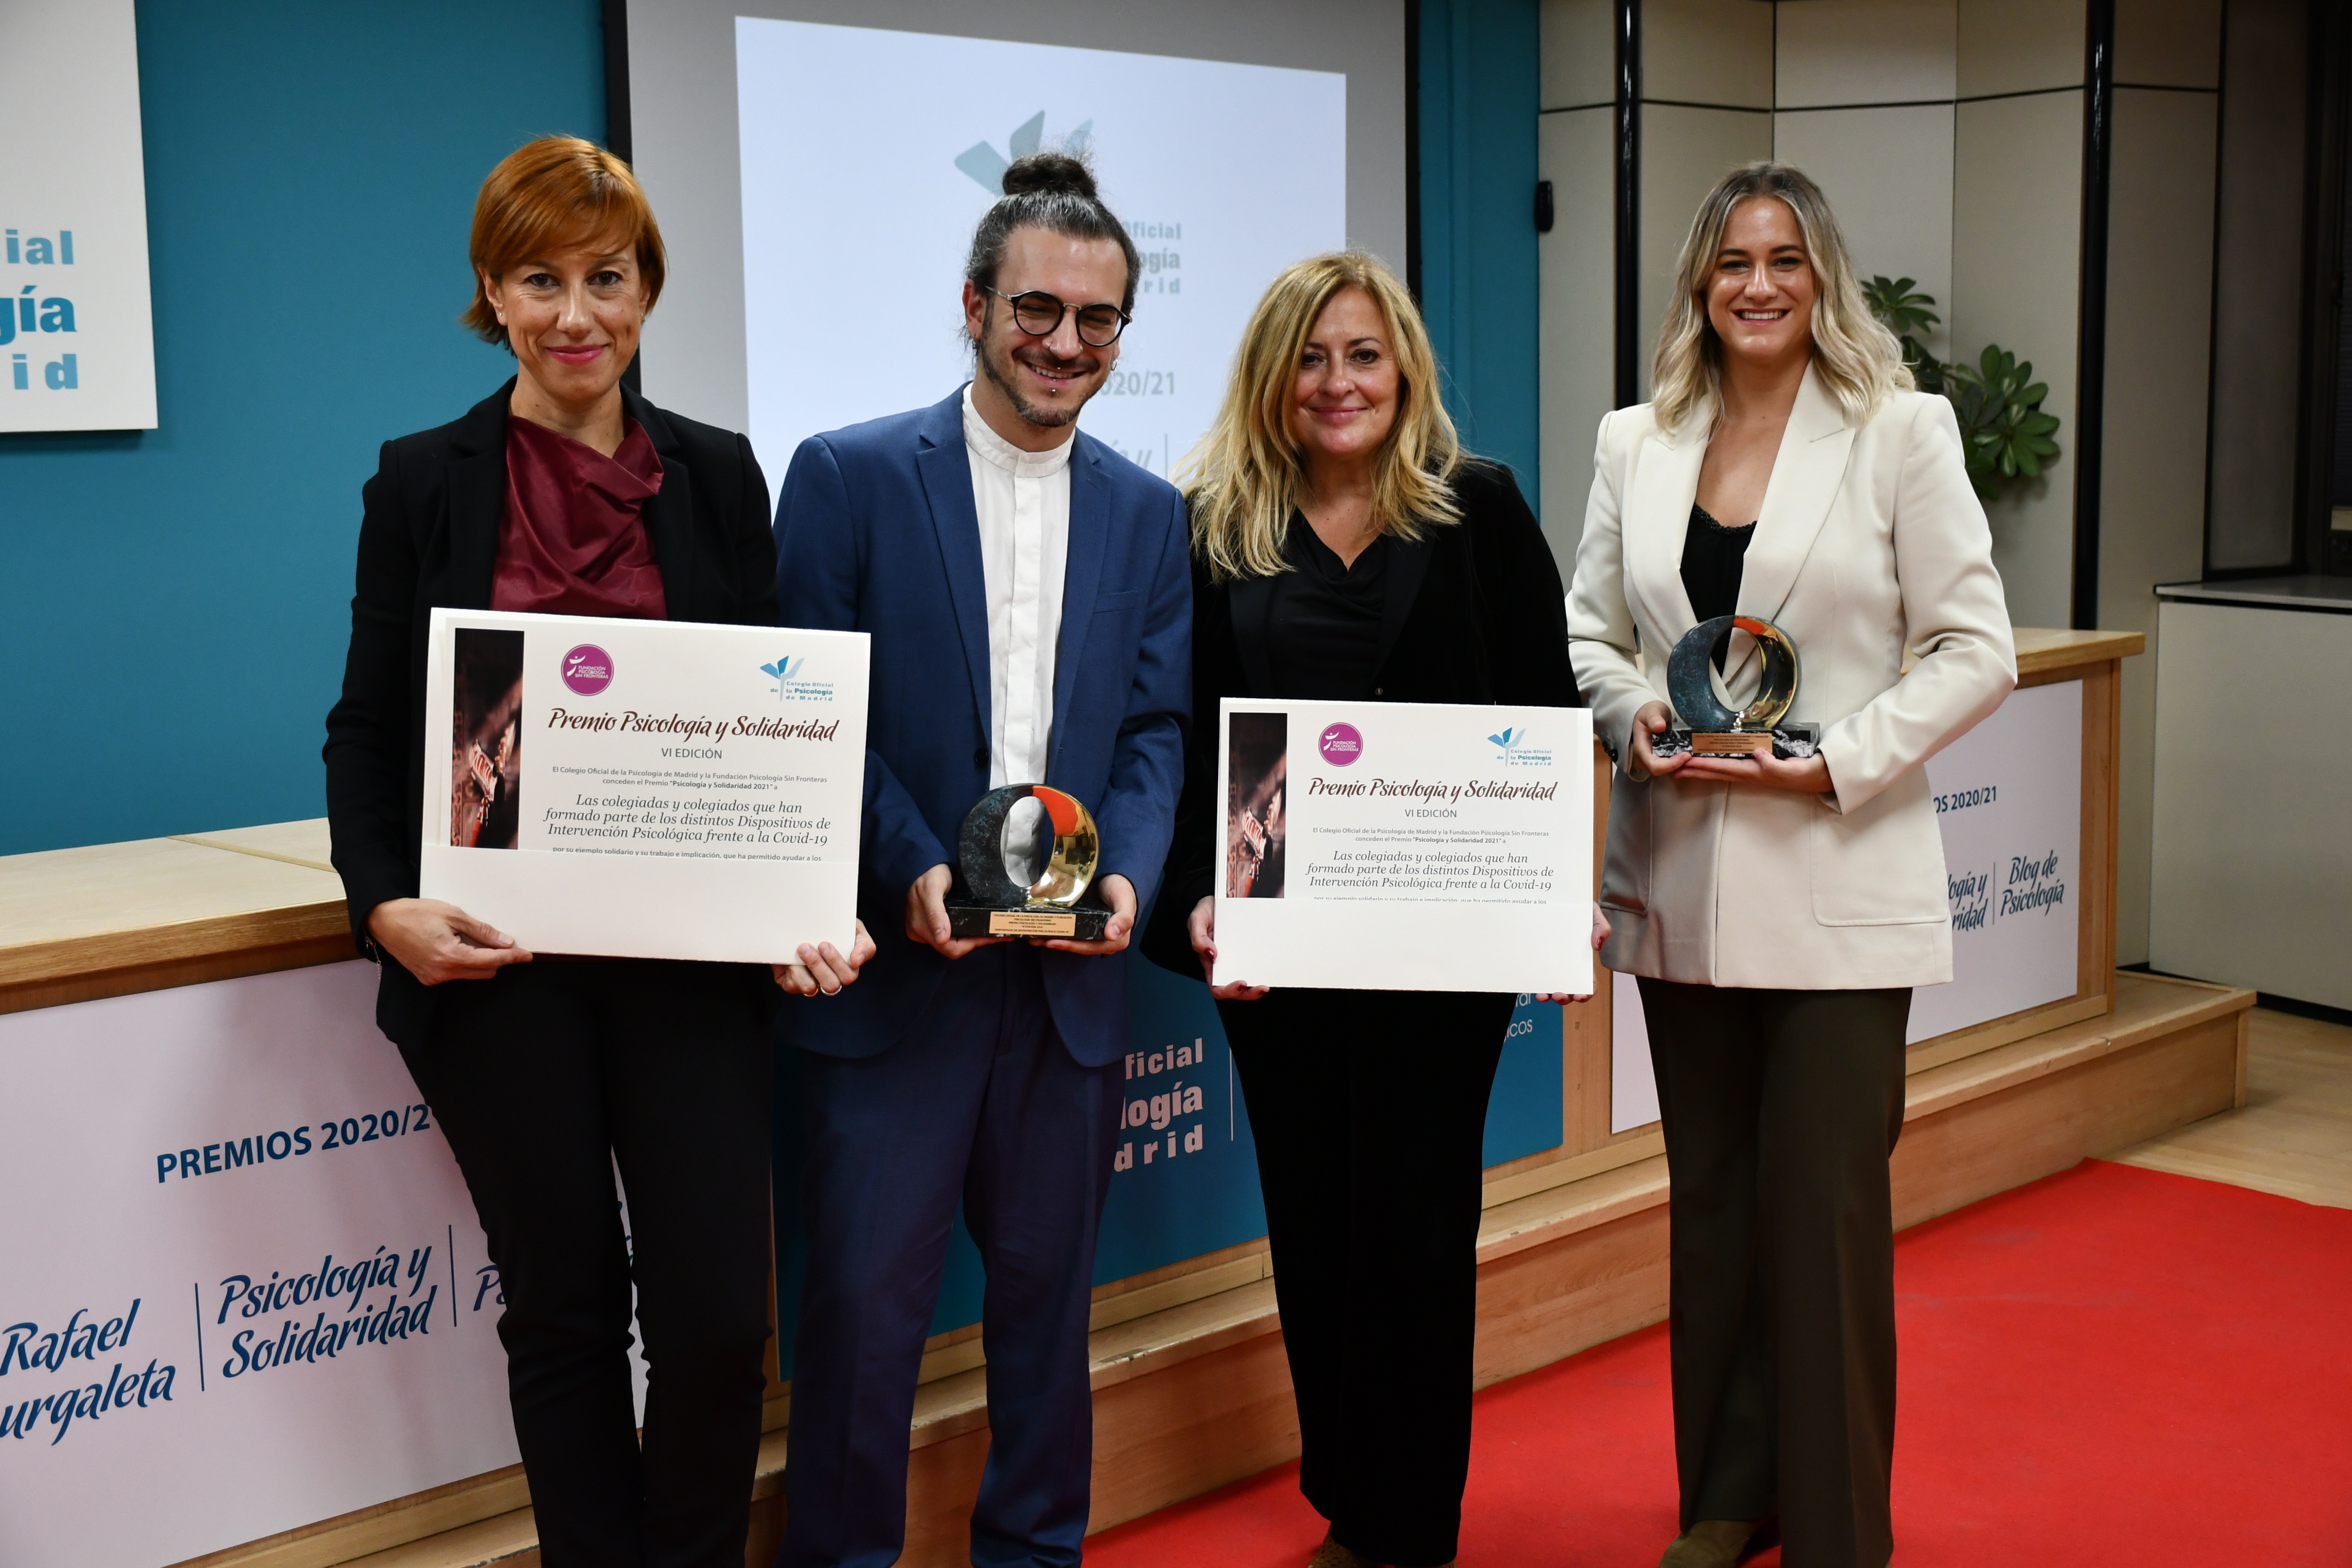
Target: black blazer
429 537
1474 614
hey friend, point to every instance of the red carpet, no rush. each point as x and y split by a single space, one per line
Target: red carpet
2109 1366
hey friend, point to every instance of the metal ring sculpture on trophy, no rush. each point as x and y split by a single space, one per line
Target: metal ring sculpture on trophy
1026 871
1713 729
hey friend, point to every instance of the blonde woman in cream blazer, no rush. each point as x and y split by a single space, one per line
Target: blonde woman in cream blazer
1778 912
1721 886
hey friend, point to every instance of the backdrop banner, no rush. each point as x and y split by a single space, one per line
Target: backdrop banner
76 338
2009 796
239 1257
1184 1167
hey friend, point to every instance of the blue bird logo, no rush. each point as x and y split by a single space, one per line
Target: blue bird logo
784 669
986 165
1509 739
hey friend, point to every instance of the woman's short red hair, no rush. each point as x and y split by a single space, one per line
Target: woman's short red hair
548 194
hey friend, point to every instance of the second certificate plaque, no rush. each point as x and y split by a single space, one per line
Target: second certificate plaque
1405 847
645 789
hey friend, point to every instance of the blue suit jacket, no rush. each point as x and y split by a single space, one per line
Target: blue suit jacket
875 531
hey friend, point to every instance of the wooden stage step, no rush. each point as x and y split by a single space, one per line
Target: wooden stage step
1191 1387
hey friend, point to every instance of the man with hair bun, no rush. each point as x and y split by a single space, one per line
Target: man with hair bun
1030 602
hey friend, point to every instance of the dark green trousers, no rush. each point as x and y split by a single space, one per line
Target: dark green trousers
1780 1109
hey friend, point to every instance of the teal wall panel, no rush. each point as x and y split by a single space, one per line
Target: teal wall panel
173 609
1480 86
1479 78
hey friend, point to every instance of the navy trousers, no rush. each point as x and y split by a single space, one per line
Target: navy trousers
980 1102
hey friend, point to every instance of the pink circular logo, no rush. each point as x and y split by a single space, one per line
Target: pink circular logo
587 669
1340 744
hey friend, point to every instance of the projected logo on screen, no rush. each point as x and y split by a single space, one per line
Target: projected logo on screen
1162 135
985 165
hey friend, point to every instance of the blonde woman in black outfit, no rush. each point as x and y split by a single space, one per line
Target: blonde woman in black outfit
1345 548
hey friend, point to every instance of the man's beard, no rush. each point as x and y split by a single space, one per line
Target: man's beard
1044 417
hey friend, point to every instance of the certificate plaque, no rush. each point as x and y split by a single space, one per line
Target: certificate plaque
645 789
1404 847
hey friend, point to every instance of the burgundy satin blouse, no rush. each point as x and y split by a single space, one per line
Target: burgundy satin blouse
572 539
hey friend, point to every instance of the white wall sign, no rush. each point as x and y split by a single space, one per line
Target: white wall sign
240 1256
2009 798
854 245
1632 1086
77 339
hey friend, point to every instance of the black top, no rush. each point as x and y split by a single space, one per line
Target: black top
428 537
1713 556
1470 612
1324 627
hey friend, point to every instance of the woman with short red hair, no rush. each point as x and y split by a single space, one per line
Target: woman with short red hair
566 493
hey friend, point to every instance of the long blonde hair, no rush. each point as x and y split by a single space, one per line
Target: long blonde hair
1241 480
1858 360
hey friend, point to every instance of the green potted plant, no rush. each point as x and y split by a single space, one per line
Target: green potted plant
2004 433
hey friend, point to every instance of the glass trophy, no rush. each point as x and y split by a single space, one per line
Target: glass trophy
1711 730
1028 854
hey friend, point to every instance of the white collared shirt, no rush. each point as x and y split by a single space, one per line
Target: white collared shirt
1023 502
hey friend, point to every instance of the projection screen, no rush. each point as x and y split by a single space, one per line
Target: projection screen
817 167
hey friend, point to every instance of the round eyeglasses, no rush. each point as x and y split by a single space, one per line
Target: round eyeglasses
1040 314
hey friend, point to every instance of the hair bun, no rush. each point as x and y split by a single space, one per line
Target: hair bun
1049 172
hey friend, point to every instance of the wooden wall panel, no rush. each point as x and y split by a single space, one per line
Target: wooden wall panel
1950 1160
1224 1416
1538 1306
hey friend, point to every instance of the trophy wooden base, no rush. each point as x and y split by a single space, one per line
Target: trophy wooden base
1084 923
1788 741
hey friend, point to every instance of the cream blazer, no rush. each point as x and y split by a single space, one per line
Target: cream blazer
1869 545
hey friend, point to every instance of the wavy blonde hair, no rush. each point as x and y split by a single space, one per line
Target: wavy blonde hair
1241 483
1858 360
